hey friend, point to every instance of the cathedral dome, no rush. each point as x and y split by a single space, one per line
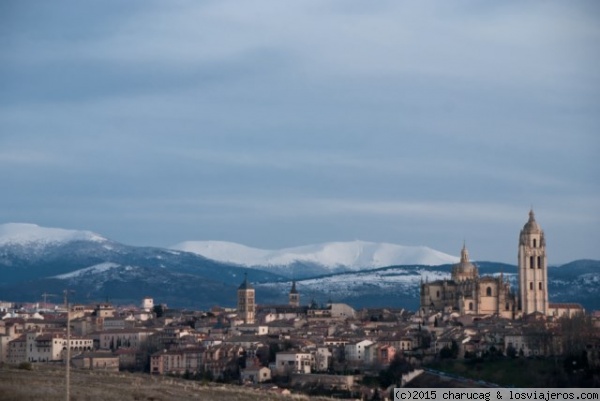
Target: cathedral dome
464 270
531 226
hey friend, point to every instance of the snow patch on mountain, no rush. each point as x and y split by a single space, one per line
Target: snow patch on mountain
99 268
25 234
355 255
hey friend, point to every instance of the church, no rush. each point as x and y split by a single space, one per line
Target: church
466 292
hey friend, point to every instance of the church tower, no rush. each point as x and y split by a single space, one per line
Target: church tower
294 296
245 302
533 268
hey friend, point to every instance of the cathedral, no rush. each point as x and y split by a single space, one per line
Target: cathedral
466 292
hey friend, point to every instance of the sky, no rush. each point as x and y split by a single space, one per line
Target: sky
285 123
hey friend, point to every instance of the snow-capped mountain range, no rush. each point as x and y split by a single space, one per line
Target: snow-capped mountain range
330 257
299 262
36 260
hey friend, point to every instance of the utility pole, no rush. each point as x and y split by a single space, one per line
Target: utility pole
68 356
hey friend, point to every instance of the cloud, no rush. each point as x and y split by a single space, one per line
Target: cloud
342 114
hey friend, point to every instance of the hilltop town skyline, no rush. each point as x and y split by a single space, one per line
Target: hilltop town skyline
320 348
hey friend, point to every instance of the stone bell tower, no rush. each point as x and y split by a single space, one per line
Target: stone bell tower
294 296
533 269
246 307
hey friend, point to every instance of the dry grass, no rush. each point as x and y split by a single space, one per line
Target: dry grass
48 384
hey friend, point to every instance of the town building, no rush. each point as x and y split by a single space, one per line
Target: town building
255 374
45 347
105 361
287 362
355 351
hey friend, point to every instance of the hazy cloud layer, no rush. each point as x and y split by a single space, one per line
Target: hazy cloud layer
285 123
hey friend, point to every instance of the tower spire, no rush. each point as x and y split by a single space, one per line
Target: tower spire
294 296
464 254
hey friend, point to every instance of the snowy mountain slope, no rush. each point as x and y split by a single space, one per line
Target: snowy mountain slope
318 258
29 252
24 234
395 286
99 268
399 286
128 284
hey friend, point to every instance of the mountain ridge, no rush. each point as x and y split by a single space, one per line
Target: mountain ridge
323 258
97 268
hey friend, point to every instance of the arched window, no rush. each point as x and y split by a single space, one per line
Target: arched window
539 262
535 243
488 291
531 264
470 305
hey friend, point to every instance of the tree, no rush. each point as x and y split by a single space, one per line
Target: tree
445 352
454 349
511 351
393 374
158 310
539 339
576 333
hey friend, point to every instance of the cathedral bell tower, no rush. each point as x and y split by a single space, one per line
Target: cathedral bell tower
246 307
533 269
294 296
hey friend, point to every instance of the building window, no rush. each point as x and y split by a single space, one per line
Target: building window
488 291
531 286
437 294
535 243
540 285
531 264
539 262
506 307
470 305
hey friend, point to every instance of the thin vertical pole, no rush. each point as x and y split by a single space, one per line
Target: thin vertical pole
68 356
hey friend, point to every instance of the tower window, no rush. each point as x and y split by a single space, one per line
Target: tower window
488 291
531 262
539 262
540 285
531 286
535 243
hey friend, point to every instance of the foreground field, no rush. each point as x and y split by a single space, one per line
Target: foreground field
48 384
